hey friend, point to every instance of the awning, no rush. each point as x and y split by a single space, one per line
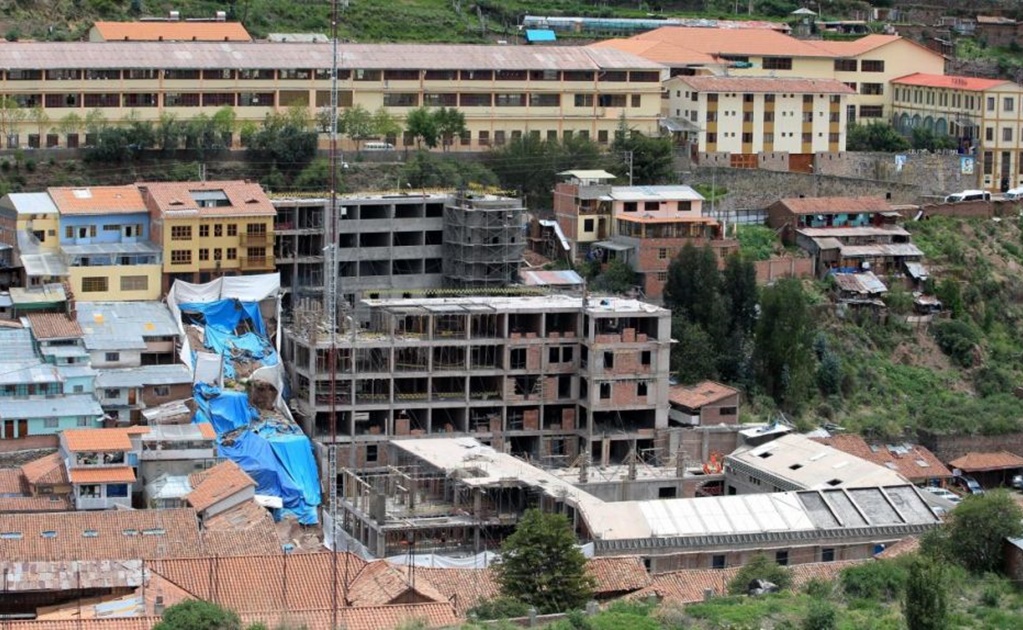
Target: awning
618 247
676 125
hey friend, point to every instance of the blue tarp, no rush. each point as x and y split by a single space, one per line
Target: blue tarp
220 319
540 35
225 315
225 410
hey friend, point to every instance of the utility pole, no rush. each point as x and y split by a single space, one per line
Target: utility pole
330 278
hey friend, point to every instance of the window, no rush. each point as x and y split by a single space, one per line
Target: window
401 99
161 390
635 100
204 231
134 283
584 100
371 453
609 360
95 284
641 388
83 422
218 253
747 137
1006 134
991 103
588 225
768 117
989 162
871 111
602 136
777 63
117 490
112 357
630 206
828 554
111 393
782 558
232 229
661 276
181 256
204 254
50 423
712 138
517 359
874 89
232 253
717 562
845 65
218 230
989 134
872 65
181 233
544 100
662 253
605 391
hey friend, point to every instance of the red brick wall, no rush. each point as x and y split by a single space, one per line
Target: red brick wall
649 262
775 268
565 211
711 414
28 442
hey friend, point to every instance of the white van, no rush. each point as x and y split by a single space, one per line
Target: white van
378 146
969 195
1015 194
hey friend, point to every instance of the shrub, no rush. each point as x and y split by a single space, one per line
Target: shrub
883 579
957 339
818 588
821 615
760 568
499 608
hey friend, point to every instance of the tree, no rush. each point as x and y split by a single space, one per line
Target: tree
692 358
926 603
541 565
530 165
760 567
739 284
450 124
422 126
11 113
284 142
95 121
652 159
426 170
357 123
693 287
39 116
974 531
925 139
385 124
874 136
168 132
617 278
783 354
820 615
69 124
196 614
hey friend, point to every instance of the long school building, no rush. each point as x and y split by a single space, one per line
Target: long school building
504 91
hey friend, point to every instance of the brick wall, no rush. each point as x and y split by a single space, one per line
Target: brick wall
28 443
788 267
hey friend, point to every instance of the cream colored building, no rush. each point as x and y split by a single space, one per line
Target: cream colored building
983 115
744 117
504 91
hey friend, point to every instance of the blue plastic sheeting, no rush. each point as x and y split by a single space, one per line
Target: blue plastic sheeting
221 319
295 454
258 457
225 410
227 314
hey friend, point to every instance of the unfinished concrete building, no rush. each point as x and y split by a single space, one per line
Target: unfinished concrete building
544 377
484 238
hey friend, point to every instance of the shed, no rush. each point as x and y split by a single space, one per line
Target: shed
989 469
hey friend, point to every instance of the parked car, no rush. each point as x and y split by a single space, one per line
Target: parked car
1013 194
946 494
1017 482
968 484
968 195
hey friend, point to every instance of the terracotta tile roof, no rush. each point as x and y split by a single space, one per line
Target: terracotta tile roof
47 471
261 583
41 503
241 531
912 461
175 198
98 200
981 462
430 615
96 440
12 481
668 53
750 42
616 575
700 394
207 431
688 586
172 31
218 483
120 623
901 548
862 45
380 583
834 205
464 588
113 474
970 84
54 326
772 85
100 535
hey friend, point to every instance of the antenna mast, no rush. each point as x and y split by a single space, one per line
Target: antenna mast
330 276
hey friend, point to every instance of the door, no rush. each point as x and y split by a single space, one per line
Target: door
131 396
22 427
8 429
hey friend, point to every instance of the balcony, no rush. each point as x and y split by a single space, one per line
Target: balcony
255 239
248 263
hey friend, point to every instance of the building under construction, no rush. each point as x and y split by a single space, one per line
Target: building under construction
484 238
548 378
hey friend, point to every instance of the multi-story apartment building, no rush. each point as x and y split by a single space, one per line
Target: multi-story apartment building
867 65
28 223
983 115
742 118
210 229
552 377
104 236
504 91
582 208
101 465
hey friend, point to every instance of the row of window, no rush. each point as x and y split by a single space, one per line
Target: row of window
834 99
266 74
89 231
184 232
712 116
747 137
868 89
101 284
866 65
1006 162
946 99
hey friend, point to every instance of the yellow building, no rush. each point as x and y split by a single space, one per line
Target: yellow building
105 241
210 229
867 65
29 226
983 115
504 91
741 118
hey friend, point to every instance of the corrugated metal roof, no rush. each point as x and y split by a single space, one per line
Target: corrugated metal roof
865 283
34 373
771 85
256 55
46 294
144 375
142 247
564 277
655 193
881 249
61 406
31 203
123 325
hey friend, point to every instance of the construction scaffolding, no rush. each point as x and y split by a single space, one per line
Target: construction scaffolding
484 239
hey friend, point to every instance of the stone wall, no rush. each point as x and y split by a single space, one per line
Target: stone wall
783 267
949 447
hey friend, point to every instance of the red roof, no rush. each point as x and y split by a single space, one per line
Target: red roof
54 326
98 200
723 41
912 461
833 205
11 481
117 474
96 440
700 394
47 470
216 484
981 462
771 85
244 199
971 84
241 531
172 31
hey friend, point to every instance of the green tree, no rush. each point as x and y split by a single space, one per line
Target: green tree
450 125
653 159
760 567
739 284
11 113
530 165
692 358
617 278
385 124
284 142
69 124
40 118
357 123
95 121
820 615
168 132
783 354
874 136
974 532
198 615
925 605
541 565
427 170
693 287
422 126
927 140
951 297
